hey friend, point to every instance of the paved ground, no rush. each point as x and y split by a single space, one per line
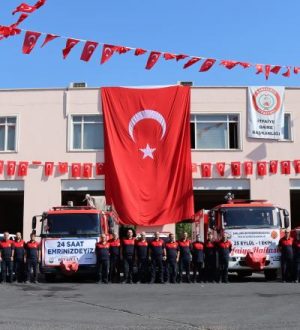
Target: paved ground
253 304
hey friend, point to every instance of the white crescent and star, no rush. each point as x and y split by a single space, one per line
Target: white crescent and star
147 114
32 39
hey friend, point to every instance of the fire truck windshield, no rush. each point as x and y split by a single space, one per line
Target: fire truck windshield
256 217
71 224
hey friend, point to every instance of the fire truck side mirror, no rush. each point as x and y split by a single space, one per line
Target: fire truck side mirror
33 225
286 219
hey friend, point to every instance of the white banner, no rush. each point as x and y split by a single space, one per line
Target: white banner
266 112
81 250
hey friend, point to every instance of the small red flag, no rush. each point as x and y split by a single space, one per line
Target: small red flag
267 71
107 52
192 61
259 68
69 45
220 167
235 168
169 56
152 59
1 166
20 20
122 49
24 8
296 69
88 50
275 69
297 166
194 168
22 168
273 166
207 64
99 168
181 57
287 73
30 40
39 3
139 51
87 170
76 170
11 167
261 168
206 170
245 65
248 168
63 167
229 64
48 168
49 37
285 167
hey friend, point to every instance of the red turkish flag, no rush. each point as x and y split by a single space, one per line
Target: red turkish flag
107 52
69 45
267 71
152 59
275 69
169 56
76 170
285 167
261 168
22 168
87 170
206 170
192 61
139 51
48 168
296 69
259 68
63 167
235 168
207 64
49 37
273 166
88 50
181 57
148 154
30 40
297 166
99 168
39 3
122 49
229 64
10 167
248 168
245 65
24 8
20 20
194 168
287 73
1 166
220 167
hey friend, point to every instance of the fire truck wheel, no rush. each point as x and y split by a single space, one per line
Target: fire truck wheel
50 278
270 274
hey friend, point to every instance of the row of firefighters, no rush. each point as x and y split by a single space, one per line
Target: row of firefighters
156 261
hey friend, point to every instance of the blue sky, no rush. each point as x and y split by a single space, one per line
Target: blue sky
258 31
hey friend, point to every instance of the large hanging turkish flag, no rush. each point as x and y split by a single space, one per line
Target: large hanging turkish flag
148 175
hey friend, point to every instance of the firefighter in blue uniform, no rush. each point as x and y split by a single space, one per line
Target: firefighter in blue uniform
172 253
287 255
32 256
142 258
128 244
114 260
197 259
157 253
102 253
296 246
209 259
184 257
6 258
19 265
224 248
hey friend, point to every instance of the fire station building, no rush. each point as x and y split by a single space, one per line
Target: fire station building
66 125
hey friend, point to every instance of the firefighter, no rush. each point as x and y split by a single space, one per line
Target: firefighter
209 258
6 258
157 253
102 253
184 257
19 265
128 256
172 253
197 259
32 257
114 260
296 246
286 248
142 257
224 248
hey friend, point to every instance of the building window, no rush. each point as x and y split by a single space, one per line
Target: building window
287 129
8 133
87 132
218 132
